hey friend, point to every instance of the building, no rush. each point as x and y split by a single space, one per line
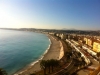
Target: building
86 40
96 46
81 39
63 36
90 42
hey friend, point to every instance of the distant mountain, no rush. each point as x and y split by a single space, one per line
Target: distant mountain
98 30
68 29
64 29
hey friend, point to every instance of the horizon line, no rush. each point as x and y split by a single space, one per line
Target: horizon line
52 29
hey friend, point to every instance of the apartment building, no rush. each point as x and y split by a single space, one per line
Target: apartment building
86 40
96 46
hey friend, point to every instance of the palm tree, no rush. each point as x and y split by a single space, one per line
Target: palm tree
43 65
98 55
33 74
83 61
2 72
68 55
54 63
49 64
79 54
76 62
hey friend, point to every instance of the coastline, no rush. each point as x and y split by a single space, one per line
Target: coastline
54 51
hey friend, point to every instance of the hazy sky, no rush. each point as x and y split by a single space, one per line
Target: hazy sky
50 14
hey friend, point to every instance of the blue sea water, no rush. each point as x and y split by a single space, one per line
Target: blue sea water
20 48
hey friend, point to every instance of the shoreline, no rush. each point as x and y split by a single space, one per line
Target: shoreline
50 53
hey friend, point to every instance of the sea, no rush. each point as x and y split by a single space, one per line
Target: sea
21 48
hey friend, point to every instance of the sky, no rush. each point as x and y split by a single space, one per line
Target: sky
50 14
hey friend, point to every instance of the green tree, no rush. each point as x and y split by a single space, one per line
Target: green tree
98 54
2 72
77 63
